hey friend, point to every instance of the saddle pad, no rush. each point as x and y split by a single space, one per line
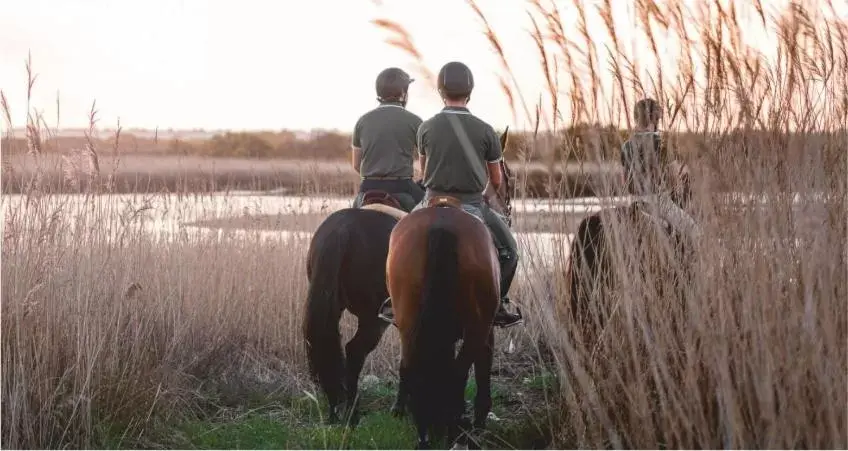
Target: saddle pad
444 201
375 196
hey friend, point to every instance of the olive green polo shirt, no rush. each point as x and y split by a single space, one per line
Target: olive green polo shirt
387 138
457 145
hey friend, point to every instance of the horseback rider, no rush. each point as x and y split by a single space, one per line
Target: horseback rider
458 154
384 141
647 170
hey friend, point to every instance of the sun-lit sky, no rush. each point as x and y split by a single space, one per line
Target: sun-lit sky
252 64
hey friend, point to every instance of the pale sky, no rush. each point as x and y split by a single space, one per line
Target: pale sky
253 64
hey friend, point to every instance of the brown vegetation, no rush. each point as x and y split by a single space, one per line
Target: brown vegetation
109 330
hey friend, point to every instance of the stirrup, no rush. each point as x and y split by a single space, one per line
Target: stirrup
386 313
518 317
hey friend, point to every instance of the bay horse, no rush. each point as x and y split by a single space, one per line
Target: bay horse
346 269
443 276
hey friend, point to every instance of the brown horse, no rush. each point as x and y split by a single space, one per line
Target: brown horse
346 271
625 238
444 279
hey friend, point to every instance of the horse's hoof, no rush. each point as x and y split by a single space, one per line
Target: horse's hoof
398 411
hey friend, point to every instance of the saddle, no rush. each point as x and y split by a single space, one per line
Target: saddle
376 196
444 201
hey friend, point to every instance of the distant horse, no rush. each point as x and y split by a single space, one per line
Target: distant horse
346 268
444 279
640 238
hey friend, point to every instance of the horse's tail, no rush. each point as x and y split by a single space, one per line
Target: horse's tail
323 311
587 275
432 355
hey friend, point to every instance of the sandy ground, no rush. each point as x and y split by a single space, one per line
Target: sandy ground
534 222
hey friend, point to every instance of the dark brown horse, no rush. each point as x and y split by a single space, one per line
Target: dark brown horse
625 238
444 279
346 268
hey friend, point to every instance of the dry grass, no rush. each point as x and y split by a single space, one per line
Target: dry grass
108 329
751 352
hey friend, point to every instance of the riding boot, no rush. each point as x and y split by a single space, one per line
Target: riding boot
509 264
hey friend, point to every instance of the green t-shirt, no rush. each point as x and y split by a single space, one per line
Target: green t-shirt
457 145
387 138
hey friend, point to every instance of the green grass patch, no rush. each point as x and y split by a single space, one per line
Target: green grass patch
521 418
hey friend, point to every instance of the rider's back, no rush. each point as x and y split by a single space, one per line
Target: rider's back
457 145
645 159
386 136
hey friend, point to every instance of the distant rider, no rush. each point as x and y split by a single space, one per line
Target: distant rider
647 170
384 141
458 154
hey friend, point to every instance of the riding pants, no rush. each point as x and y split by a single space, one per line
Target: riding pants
407 192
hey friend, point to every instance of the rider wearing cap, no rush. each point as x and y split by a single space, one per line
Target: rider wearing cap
645 160
459 153
384 141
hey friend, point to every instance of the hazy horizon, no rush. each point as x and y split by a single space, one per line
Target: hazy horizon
263 65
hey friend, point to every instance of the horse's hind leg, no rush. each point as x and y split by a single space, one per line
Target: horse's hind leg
464 360
399 406
367 337
483 377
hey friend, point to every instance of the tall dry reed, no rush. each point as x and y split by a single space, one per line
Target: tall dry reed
750 351
118 319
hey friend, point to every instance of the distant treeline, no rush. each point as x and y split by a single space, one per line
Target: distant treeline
571 143
577 143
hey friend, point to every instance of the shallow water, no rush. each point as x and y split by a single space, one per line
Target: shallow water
166 217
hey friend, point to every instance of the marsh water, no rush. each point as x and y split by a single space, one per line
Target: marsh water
169 217
164 218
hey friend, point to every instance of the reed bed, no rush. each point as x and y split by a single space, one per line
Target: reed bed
109 330
750 350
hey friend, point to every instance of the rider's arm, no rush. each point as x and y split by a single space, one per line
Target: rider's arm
494 155
495 176
420 145
356 146
356 157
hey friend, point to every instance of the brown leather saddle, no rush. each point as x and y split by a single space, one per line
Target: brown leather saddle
376 196
444 201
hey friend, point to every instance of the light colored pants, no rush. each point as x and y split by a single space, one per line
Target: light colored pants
664 207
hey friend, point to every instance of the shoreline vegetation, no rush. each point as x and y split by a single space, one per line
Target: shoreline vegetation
146 173
584 163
